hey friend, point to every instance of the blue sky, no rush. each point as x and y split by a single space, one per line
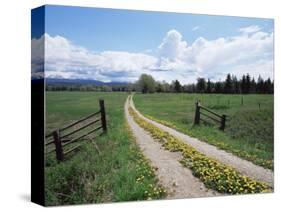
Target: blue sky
163 41
103 29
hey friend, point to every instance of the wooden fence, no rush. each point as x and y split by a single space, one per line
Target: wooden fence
207 113
61 140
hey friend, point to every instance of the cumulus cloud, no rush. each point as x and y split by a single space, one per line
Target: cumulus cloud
37 58
251 52
173 47
220 56
67 60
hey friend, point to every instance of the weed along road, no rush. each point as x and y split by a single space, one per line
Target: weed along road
188 167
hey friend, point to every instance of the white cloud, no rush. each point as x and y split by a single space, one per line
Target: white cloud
195 28
64 59
219 56
37 58
250 29
262 67
172 46
174 59
231 51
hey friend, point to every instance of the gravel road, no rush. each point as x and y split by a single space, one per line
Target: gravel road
177 180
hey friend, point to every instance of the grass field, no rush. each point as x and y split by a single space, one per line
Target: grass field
119 173
249 130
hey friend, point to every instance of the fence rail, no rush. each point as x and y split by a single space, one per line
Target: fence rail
60 138
221 119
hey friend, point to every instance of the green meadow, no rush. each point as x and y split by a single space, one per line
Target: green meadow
117 170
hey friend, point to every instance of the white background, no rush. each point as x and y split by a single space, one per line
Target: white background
15 103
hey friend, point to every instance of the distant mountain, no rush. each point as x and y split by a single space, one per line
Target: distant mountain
51 81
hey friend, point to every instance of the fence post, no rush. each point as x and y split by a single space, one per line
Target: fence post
59 152
103 118
197 113
222 122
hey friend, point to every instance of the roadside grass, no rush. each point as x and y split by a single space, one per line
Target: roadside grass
119 172
249 129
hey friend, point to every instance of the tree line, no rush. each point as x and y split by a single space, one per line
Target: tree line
147 84
231 85
88 87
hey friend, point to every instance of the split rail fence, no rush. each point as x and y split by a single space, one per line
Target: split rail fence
202 112
61 140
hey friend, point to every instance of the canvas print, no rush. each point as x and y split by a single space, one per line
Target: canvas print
132 105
